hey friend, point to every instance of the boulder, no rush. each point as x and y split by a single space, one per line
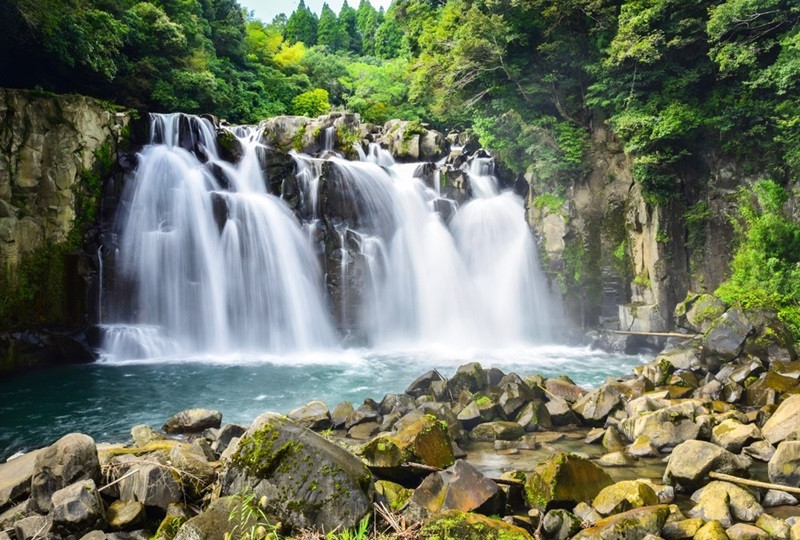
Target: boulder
534 416
667 427
564 478
698 311
723 501
559 524
560 412
468 526
684 528
195 473
784 467
77 508
395 495
32 527
726 335
314 415
514 395
500 431
422 384
226 517
595 406
743 531
15 478
776 528
226 436
773 497
460 487
193 421
732 435
624 496
713 530
613 440
616 459
691 461
760 450
71 459
443 413
563 389
643 447
340 414
308 481
142 435
153 484
470 377
784 421
636 523
125 515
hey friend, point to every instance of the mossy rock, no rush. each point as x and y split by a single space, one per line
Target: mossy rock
470 377
396 495
636 523
309 481
455 525
426 440
563 479
169 527
624 496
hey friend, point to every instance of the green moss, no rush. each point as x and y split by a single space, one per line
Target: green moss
347 138
297 141
553 203
642 278
482 401
169 527
453 525
259 455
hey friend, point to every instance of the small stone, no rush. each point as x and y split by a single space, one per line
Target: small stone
490 431
776 528
686 528
624 496
77 508
774 497
125 515
713 530
142 435
193 421
743 531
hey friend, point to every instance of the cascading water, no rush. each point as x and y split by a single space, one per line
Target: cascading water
217 263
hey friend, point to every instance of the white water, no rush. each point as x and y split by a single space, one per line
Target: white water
218 266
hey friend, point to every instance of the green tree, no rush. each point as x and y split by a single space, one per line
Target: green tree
349 38
328 34
367 22
311 103
302 25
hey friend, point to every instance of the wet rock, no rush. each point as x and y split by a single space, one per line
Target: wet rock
77 508
193 421
636 523
534 416
691 461
784 467
560 412
713 530
564 478
665 427
643 447
340 414
460 487
784 421
395 495
125 515
153 485
624 496
560 524
142 435
314 415
774 527
727 334
594 407
613 440
502 431
616 459
722 501
470 526
223 518
470 377
685 528
424 441
422 384
743 531
15 478
309 482
732 435
71 459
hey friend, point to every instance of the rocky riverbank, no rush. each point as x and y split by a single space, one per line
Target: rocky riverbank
675 450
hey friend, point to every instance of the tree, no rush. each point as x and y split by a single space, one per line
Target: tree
302 26
311 103
349 38
367 22
328 34
388 38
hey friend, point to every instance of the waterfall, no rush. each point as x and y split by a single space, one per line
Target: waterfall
328 139
216 263
209 262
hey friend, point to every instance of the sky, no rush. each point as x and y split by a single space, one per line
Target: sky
267 9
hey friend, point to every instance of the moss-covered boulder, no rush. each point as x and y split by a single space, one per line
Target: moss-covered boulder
125 515
726 336
636 523
624 496
497 431
594 407
455 525
470 377
461 487
784 466
565 478
733 435
713 530
691 461
426 441
308 481
698 311
785 421
723 501
395 495
226 517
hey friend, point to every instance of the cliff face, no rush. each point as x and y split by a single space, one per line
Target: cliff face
55 152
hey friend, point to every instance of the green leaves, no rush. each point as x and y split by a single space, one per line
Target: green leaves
312 103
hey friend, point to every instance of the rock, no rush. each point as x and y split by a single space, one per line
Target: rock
784 421
364 431
784 467
502 431
396 495
309 482
95 535
534 416
77 508
697 312
595 406
713 530
71 459
636 523
560 524
667 427
314 415
142 435
691 461
562 479
443 413
193 421
515 394
33 527
470 377
721 500
774 527
422 384
340 414
616 459
169 526
642 447
760 450
223 519
624 496
226 435
460 487
685 528
613 441
196 474
560 412
396 403
153 485
15 478
471 415
361 416
727 334
743 531
732 435
467 526
424 441
564 390
774 497
125 515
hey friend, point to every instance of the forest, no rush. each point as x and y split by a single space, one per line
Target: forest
532 78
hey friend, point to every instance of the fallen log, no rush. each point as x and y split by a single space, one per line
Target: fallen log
656 334
753 483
